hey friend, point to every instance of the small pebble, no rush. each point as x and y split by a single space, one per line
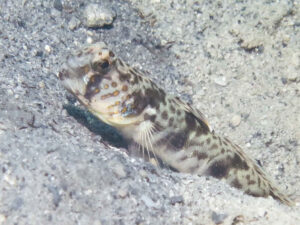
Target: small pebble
154 162
176 199
295 59
17 203
89 33
47 48
284 80
2 219
98 16
143 173
64 113
88 192
89 40
97 222
235 120
122 193
73 23
10 92
3 128
221 81
292 77
57 4
118 169
42 84
149 202
218 218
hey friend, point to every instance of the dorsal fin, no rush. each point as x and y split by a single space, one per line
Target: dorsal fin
188 108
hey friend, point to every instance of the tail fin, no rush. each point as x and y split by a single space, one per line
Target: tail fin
227 161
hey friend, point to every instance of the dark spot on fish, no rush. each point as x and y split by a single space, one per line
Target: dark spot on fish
208 141
139 102
177 140
190 121
214 146
135 79
235 183
250 182
201 155
140 78
239 163
172 109
164 115
154 97
111 54
124 76
149 117
171 120
92 85
219 169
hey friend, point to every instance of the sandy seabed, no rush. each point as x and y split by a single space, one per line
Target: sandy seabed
236 61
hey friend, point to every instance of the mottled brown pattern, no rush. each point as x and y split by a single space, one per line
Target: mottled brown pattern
172 130
149 117
176 140
201 155
219 169
235 183
92 87
164 115
171 120
238 163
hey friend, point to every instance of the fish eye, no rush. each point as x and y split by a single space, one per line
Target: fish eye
104 65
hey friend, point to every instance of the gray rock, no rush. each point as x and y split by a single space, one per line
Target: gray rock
98 16
235 120
17 203
218 218
57 4
74 23
119 170
149 202
222 81
176 199
122 193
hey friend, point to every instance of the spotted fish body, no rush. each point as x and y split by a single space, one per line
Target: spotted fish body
164 125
